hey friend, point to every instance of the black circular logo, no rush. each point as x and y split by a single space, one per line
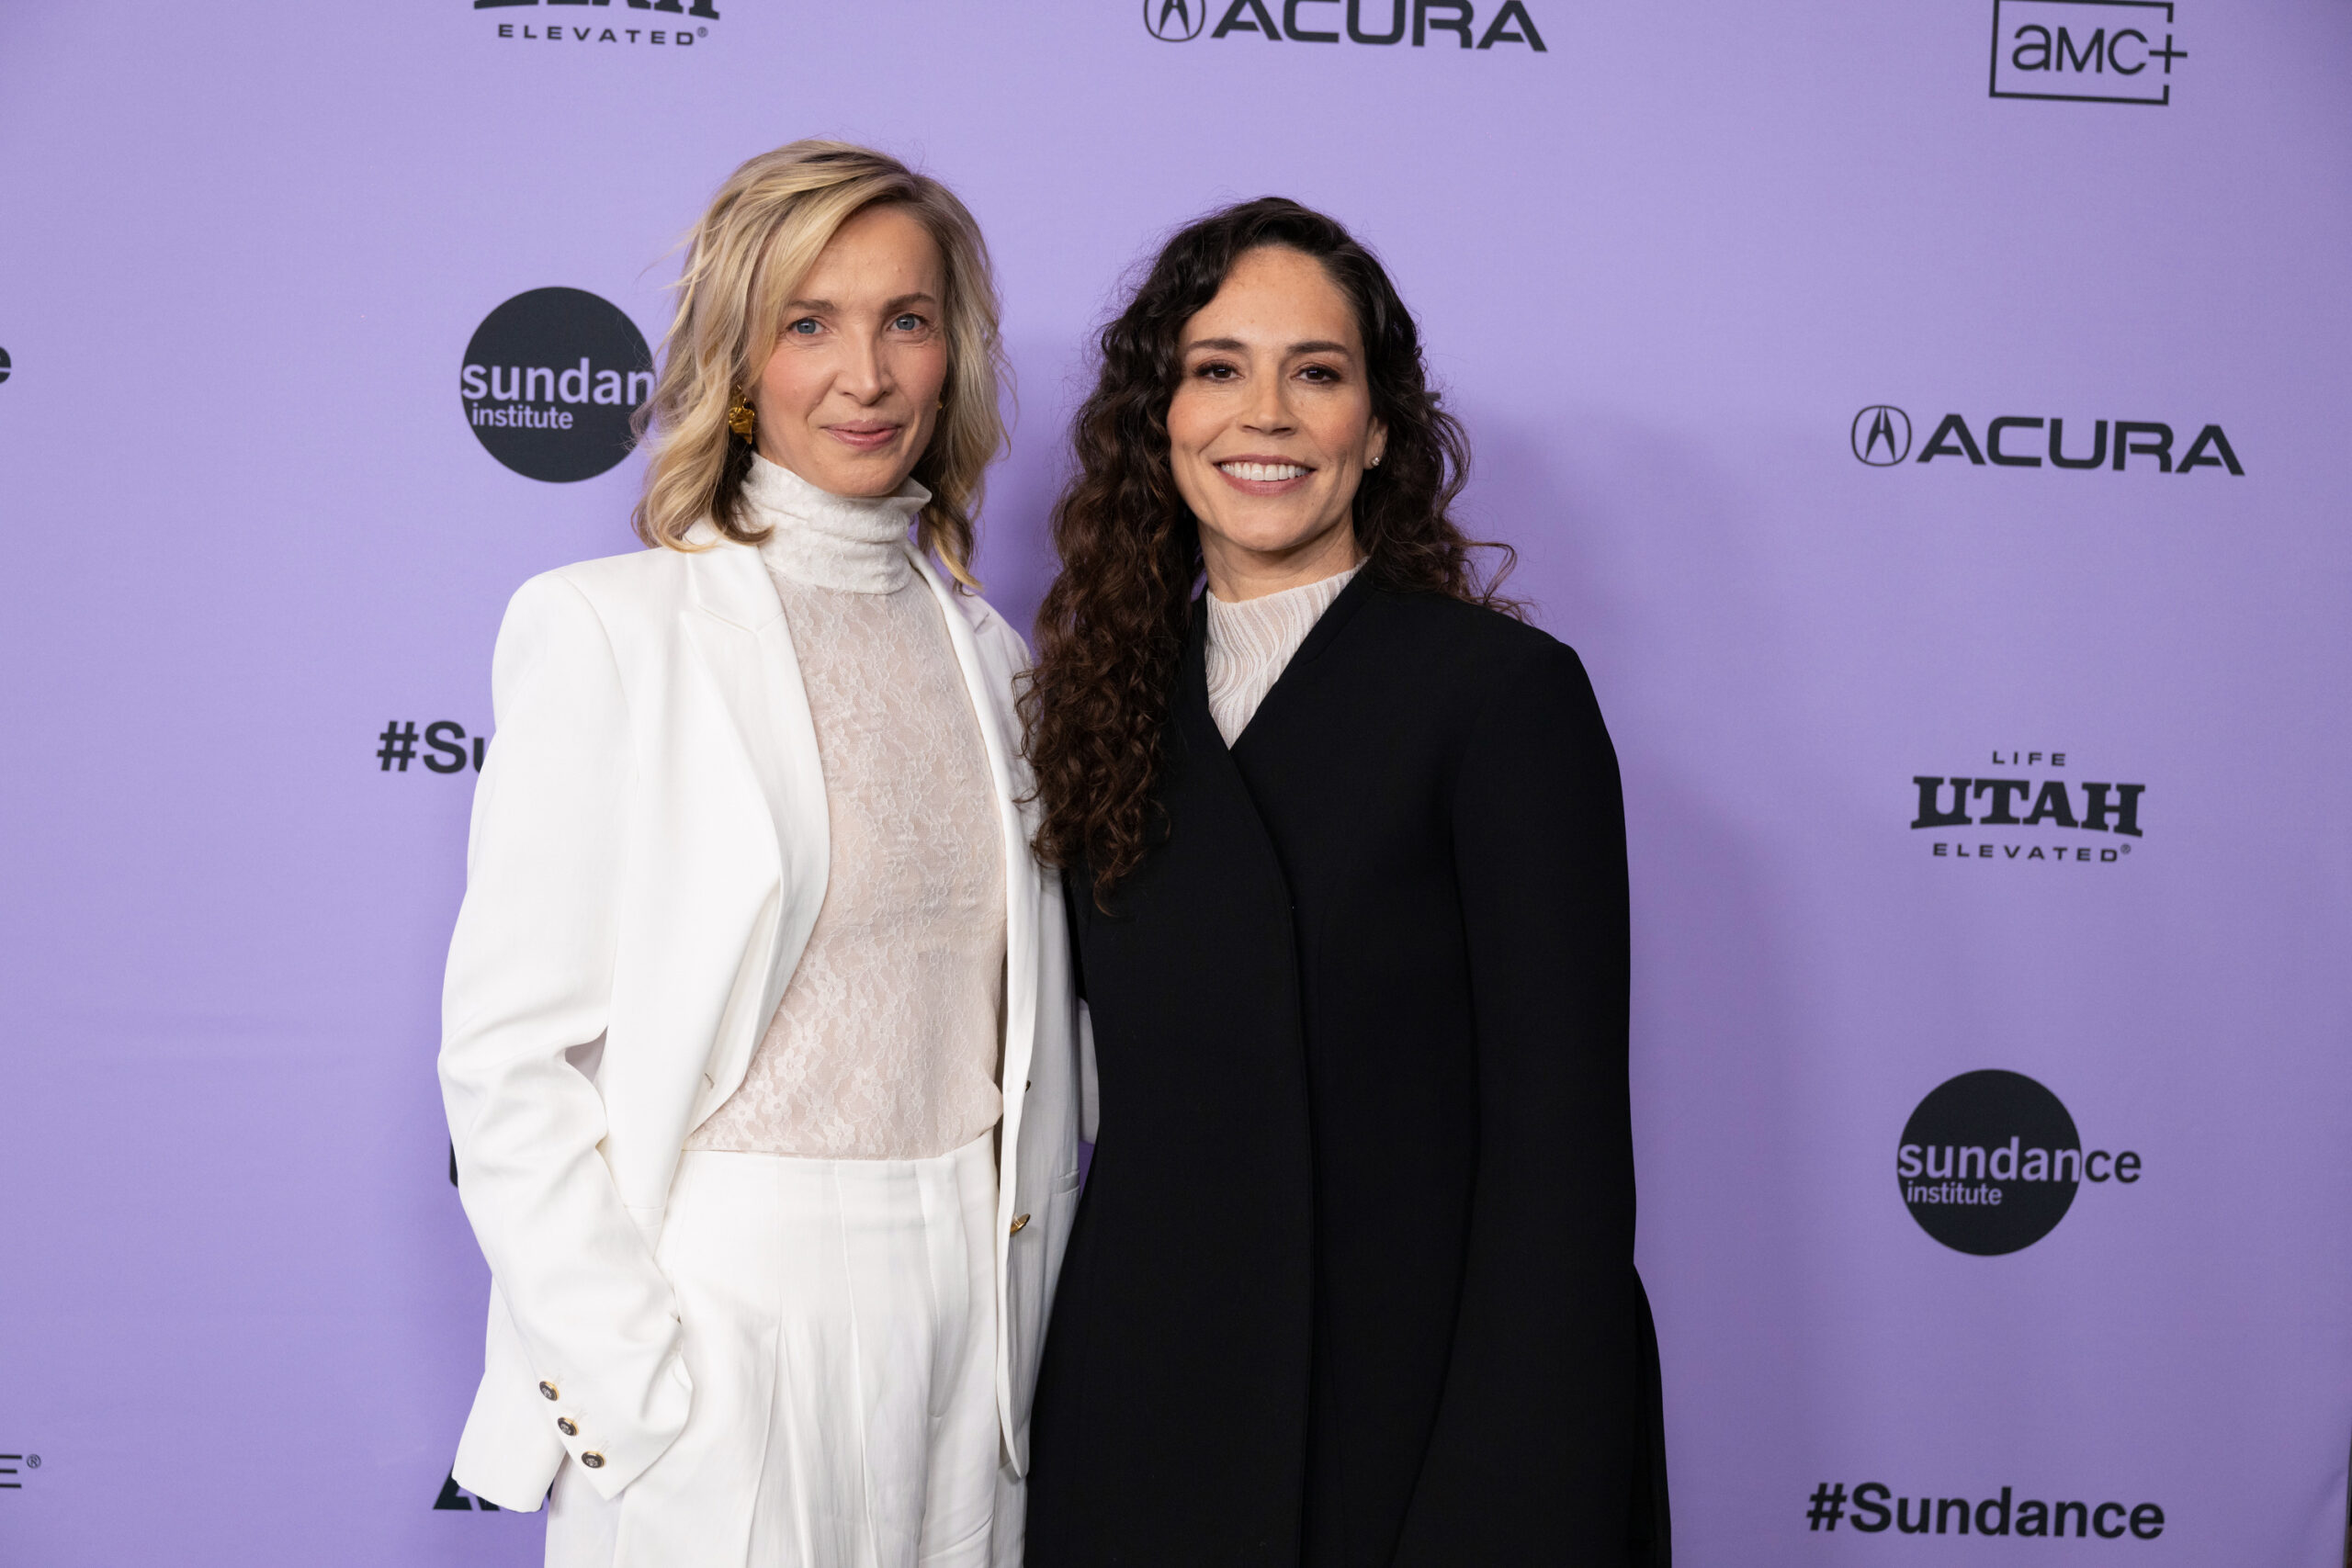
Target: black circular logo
1175 21
5 365
1882 435
1989 1163
549 380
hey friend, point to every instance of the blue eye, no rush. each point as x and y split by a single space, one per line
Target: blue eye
909 323
805 326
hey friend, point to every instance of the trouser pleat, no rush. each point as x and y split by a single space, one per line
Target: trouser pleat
839 1331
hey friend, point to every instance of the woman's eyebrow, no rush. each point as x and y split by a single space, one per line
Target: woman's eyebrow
1234 346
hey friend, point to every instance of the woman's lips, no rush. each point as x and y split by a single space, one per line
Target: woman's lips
864 437
1263 476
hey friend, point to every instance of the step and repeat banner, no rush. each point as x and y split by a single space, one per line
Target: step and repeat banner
1927 421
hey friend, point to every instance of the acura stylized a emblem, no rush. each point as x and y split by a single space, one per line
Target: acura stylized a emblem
1174 21
1882 435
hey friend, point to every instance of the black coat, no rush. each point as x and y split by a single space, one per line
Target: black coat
1352 1284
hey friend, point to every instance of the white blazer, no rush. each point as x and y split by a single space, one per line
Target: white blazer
647 854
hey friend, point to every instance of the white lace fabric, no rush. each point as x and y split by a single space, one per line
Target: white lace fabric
886 1043
1252 641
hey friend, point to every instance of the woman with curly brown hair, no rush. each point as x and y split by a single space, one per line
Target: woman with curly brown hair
1351 1283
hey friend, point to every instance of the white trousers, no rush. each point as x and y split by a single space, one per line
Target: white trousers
840 1320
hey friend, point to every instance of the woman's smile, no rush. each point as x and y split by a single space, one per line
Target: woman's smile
864 435
1256 475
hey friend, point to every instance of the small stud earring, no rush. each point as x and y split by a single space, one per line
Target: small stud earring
741 418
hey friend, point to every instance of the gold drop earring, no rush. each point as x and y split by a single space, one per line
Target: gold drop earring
741 418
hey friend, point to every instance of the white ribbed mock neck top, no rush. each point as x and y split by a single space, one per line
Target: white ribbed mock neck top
1251 641
888 1041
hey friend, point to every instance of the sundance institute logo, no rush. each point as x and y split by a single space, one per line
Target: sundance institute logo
1319 21
1990 1162
549 380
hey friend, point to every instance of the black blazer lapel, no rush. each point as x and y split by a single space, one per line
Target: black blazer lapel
1208 765
1301 670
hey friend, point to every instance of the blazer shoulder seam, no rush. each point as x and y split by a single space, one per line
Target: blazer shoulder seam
561 576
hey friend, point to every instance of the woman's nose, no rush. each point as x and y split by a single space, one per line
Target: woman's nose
864 375
1269 412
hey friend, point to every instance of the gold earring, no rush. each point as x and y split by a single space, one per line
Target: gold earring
742 419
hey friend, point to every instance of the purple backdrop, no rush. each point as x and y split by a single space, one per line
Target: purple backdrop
1662 263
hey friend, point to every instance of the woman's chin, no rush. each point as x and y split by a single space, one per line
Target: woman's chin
1279 544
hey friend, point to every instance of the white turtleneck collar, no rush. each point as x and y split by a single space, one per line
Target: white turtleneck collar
1250 642
855 543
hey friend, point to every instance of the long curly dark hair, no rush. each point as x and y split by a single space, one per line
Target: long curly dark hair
1113 625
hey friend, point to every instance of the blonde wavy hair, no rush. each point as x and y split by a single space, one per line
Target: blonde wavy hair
744 259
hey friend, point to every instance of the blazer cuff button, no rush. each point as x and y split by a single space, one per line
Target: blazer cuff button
592 1460
567 1426
547 1390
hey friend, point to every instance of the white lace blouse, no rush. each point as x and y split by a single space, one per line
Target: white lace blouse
1250 643
886 1044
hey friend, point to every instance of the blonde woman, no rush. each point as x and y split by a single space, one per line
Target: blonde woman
759 1048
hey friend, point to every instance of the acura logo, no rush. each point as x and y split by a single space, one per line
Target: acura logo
1440 24
1174 21
1882 435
